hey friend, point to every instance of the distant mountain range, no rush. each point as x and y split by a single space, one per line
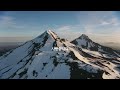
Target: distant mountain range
84 59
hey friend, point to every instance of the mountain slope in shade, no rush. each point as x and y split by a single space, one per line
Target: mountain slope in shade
85 42
35 59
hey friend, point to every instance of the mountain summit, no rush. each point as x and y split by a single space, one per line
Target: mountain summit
85 42
35 59
83 36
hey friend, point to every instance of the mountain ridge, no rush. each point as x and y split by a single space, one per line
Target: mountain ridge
35 59
85 42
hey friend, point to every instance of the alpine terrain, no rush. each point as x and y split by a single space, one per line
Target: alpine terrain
36 59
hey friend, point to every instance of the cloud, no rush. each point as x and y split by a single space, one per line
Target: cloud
105 23
88 29
112 21
98 21
69 32
64 28
100 25
97 17
94 17
8 22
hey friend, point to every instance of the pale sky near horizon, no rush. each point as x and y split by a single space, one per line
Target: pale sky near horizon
101 26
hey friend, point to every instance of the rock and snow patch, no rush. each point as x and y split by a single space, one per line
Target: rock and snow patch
36 60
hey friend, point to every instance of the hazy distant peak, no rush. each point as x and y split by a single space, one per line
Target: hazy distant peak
83 36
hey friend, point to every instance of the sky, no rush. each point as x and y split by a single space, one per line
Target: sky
100 26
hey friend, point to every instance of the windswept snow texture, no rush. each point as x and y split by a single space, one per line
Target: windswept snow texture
84 59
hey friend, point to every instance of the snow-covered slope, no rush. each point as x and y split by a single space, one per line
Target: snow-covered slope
35 59
85 42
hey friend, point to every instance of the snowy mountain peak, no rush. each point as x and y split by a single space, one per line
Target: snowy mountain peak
52 34
49 31
85 42
83 36
48 34
38 59
82 41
